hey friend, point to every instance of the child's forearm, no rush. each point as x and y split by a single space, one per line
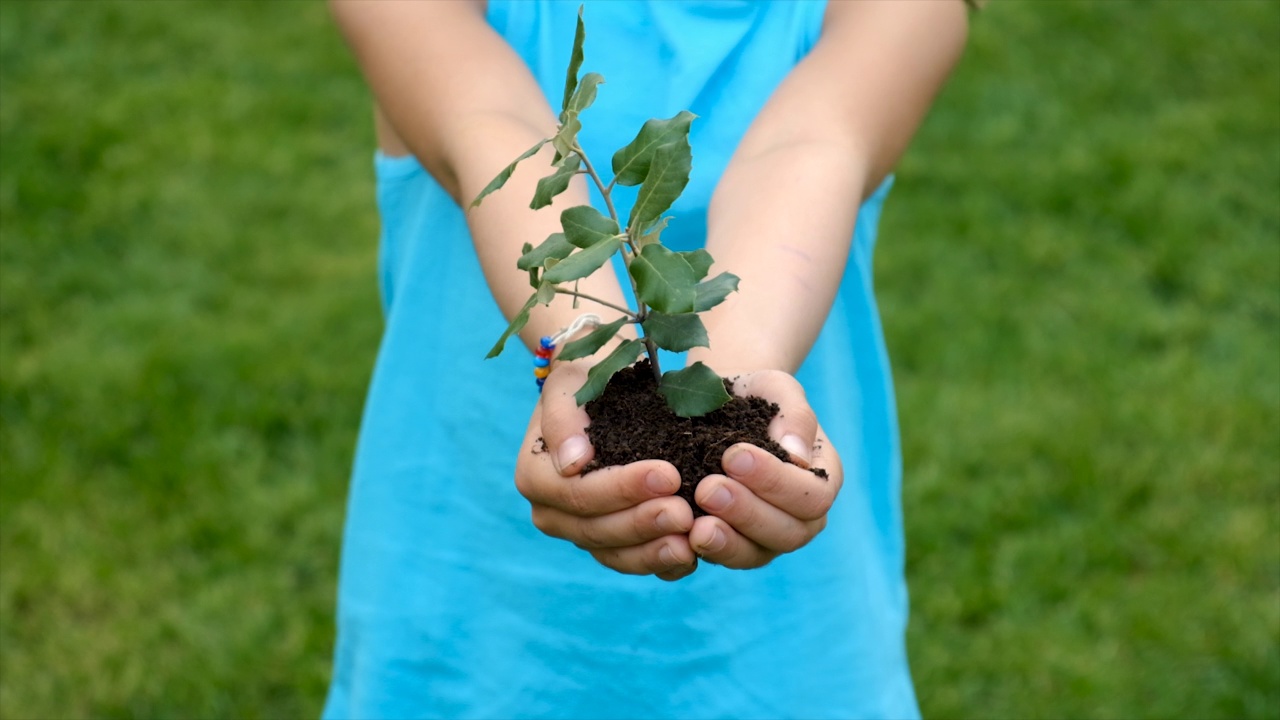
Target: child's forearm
782 217
466 105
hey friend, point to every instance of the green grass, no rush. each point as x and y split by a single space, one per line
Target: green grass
1079 272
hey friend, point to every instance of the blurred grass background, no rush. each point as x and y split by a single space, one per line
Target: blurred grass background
1079 272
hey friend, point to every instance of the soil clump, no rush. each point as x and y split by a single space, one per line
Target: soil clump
631 422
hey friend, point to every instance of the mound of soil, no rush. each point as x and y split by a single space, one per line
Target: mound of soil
630 421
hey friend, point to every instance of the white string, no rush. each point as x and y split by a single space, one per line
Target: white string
584 320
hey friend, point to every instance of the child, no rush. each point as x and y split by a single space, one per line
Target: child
452 602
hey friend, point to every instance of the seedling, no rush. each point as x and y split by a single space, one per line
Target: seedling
670 287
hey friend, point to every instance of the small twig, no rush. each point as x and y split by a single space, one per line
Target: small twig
606 303
604 191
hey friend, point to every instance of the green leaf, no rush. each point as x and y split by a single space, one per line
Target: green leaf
653 233
668 175
533 271
598 376
631 163
546 293
693 391
575 61
517 324
582 263
555 183
505 175
590 343
555 246
566 135
664 280
713 292
676 333
583 96
699 260
584 226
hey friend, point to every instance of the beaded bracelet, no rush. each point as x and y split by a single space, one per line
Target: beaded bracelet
542 360
547 346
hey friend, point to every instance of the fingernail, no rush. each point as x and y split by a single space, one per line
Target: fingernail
571 451
718 499
797 447
715 542
667 557
666 524
739 462
658 483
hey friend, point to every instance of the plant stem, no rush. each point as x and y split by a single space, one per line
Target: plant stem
639 315
652 349
606 303
604 191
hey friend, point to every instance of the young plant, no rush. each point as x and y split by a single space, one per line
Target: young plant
670 287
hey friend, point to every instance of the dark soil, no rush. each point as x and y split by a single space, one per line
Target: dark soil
631 422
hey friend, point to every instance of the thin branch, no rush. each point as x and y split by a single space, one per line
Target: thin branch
604 191
606 303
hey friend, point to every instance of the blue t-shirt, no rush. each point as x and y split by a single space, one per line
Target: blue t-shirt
451 604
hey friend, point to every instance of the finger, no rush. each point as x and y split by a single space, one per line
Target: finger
796 491
753 518
795 427
716 542
683 572
601 492
669 557
564 422
647 521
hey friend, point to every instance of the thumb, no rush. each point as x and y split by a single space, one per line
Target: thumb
795 427
564 424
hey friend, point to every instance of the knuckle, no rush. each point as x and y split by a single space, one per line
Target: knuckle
543 520
782 383
804 416
767 482
635 488
607 558
814 506
744 512
644 524
524 483
743 559
577 501
591 534
615 560
795 537
748 556
555 418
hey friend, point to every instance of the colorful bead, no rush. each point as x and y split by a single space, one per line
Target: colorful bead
542 360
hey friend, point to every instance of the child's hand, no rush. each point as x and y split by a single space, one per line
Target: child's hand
763 507
627 517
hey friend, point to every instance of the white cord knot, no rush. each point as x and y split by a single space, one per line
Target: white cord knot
585 320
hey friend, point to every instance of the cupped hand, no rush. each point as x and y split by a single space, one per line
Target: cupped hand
763 507
626 516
